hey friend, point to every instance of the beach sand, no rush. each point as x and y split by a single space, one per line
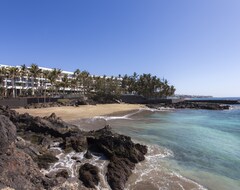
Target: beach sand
69 113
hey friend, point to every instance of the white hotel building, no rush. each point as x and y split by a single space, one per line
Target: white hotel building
24 83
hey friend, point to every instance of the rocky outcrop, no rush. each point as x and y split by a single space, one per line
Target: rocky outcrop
122 153
45 160
77 142
88 155
190 105
17 169
28 149
63 173
7 134
112 144
89 175
119 169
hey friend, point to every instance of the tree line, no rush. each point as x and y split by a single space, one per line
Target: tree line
34 81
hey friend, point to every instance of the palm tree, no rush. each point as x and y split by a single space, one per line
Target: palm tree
77 76
166 88
4 76
73 84
2 81
53 76
99 85
34 73
23 73
13 73
125 83
76 73
65 82
172 90
84 80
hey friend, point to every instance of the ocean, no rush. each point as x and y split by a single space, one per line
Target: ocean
188 149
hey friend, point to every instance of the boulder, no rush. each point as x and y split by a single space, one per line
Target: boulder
44 160
76 142
88 174
17 169
20 167
88 155
62 173
7 134
112 144
119 169
122 153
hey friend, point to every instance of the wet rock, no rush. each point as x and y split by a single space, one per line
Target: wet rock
190 105
112 144
74 158
88 174
39 135
45 160
76 142
88 155
122 153
119 169
63 173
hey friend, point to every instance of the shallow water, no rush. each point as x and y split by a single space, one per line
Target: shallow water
186 148
205 147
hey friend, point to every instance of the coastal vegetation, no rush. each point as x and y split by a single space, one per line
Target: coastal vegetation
36 81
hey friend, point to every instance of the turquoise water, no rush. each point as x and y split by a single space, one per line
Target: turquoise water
205 143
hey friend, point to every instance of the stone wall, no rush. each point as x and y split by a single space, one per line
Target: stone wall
21 102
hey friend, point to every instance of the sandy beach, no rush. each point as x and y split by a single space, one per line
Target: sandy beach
69 113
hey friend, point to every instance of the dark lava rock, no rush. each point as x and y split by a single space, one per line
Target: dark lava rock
20 167
112 144
7 134
76 142
88 155
17 169
119 169
122 153
63 173
74 158
88 174
191 105
45 160
20 172
12 115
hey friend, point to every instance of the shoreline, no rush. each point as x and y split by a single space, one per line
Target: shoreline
121 111
69 156
69 114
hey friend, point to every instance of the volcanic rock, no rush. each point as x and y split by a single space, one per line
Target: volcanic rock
88 155
7 134
88 174
119 169
112 144
17 169
20 166
122 153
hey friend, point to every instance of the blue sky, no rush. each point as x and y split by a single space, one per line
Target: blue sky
195 44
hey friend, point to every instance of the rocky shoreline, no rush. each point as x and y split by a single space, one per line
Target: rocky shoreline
26 150
190 105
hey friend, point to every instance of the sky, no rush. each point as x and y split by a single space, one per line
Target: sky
194 44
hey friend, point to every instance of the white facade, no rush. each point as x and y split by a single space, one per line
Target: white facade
25 82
